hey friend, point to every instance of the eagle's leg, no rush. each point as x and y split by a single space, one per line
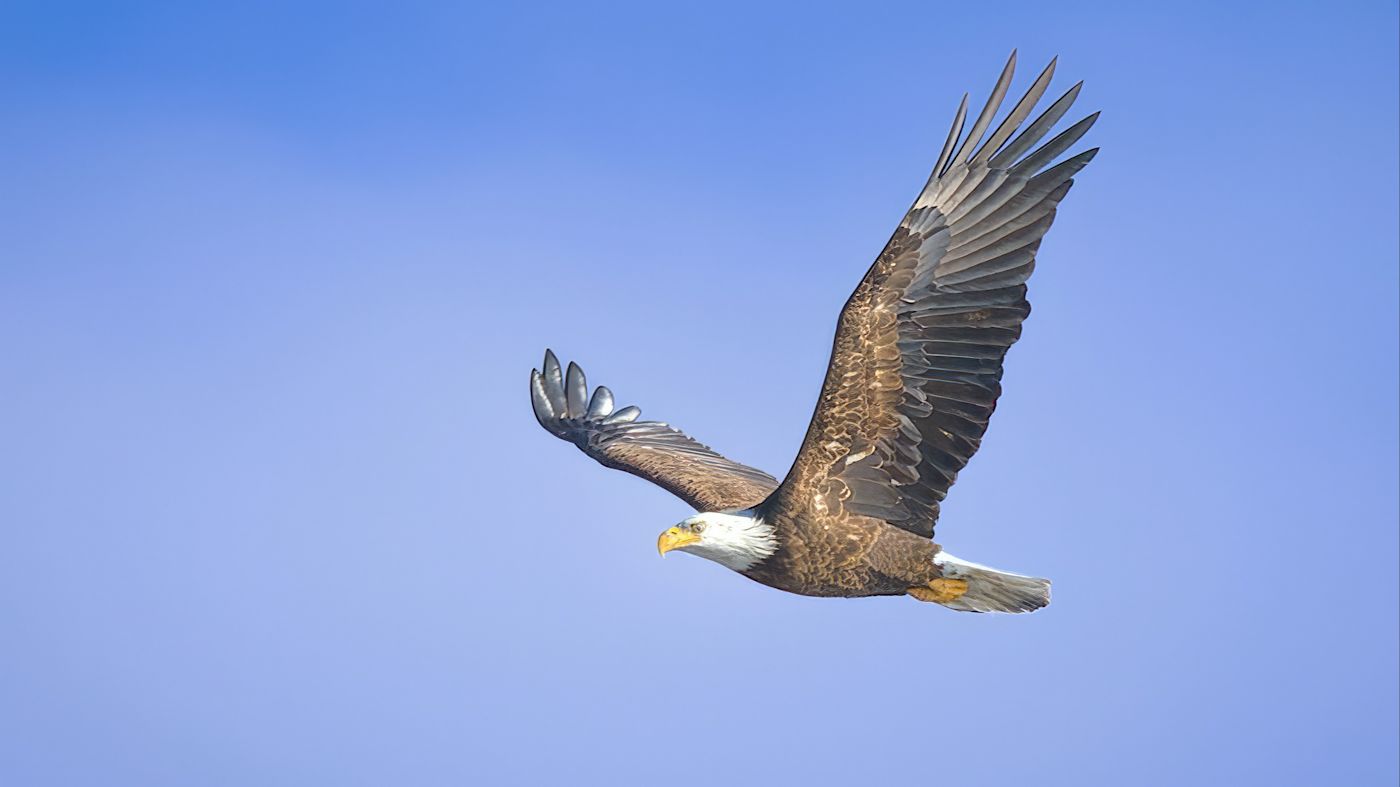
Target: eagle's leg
940 591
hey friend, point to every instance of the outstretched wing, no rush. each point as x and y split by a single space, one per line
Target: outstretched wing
649 449
917 360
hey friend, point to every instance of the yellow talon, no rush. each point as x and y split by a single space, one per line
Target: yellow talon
940 591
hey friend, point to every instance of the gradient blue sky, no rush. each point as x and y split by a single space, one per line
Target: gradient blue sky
275 511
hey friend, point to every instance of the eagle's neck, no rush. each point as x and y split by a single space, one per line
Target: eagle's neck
738 540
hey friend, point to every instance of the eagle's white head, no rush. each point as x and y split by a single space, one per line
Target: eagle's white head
734 539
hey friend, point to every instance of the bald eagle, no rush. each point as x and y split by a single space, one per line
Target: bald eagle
913 379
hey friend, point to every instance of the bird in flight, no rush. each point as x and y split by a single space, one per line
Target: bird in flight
914 376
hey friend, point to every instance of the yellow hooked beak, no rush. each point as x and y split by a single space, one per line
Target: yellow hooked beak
675 538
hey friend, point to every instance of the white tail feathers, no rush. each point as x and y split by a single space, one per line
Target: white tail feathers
990 590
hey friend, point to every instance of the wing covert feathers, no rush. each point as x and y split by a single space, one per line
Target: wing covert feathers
917 359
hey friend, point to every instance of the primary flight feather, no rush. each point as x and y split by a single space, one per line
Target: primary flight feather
914 376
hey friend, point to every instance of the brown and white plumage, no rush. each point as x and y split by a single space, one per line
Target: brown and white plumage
914 376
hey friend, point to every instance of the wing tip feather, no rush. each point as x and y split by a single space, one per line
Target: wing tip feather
538 401
576 390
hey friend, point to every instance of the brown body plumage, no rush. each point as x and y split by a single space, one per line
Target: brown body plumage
848 557
914 376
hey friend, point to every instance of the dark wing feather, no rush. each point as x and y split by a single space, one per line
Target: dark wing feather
917 361
648 449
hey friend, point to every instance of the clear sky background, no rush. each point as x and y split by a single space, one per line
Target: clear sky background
275 511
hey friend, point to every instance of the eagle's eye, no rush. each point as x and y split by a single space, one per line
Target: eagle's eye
698 527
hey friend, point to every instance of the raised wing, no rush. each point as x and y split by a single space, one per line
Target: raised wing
917 361
649 449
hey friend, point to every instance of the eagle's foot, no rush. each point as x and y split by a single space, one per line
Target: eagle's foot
940 591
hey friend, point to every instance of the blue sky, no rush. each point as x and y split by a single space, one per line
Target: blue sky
275 510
